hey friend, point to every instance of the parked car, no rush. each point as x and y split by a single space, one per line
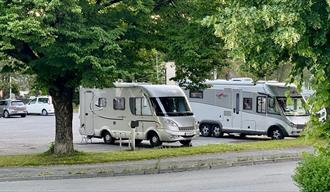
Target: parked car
40 105
12 108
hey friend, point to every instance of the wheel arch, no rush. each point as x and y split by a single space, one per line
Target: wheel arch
104 131
150 132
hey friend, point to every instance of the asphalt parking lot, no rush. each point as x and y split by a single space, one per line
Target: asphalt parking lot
34 133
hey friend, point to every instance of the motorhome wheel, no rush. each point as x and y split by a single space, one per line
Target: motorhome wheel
242 135
154 140
205 130
185 142
217 131
277 133
5 114
107 138
138 141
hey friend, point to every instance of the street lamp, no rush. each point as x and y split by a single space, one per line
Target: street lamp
9 86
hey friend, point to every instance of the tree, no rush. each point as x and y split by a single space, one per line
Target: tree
266 33
93 43
194 48
65 43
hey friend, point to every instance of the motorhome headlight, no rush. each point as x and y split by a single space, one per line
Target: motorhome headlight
293 125
171 124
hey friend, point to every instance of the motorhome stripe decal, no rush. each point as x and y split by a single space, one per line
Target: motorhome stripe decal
109 118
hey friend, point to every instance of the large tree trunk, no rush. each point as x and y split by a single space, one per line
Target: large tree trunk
62 100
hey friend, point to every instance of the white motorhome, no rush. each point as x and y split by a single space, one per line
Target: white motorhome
240 106
163 113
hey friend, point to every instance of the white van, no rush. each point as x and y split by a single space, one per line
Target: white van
40 105
163 113
240 106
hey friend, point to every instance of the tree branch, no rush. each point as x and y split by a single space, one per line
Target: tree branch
22 52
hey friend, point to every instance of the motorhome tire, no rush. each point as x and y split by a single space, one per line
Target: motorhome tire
276 133
154 140
44 112
138 141
107 138
185 142
6 114
242 135
205 130
217 131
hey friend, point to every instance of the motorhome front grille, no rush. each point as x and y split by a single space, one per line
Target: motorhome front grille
300 126
186 128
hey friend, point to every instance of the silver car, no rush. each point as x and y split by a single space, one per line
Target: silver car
11 108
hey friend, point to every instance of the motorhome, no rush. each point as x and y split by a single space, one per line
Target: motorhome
162 112
247 108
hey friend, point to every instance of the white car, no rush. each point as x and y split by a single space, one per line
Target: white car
40 105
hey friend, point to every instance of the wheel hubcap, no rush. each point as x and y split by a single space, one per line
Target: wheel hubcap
216 130
107 137
205 130
154 139
276 134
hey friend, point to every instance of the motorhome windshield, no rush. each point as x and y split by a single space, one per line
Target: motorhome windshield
293 106
175 106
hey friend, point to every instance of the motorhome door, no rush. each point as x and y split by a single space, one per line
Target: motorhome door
88 113
237 108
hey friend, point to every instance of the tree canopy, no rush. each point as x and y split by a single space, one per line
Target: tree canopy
68 43
266 33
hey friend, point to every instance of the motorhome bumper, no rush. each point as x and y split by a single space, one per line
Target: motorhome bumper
170 136
296 132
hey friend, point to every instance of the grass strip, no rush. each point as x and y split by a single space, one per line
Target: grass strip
104 157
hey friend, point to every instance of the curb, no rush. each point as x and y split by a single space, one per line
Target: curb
156 166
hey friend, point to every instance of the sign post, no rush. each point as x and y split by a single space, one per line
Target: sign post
134 124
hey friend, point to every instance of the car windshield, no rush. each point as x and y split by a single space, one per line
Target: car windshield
292 106
17 103
175 106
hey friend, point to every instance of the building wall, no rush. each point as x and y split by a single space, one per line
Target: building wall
169 73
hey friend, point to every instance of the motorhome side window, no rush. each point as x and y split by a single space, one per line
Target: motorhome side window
139 106
102 102
272 107
196 94
119 103
261 104
247 103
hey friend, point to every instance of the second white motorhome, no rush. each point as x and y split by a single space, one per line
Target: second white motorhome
240 106
162 112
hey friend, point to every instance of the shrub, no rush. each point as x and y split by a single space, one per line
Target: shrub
313 173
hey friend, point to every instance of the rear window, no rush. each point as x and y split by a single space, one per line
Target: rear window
17 103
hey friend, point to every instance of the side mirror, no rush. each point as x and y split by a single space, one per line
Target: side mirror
134 124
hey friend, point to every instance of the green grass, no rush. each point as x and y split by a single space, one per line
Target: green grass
89 157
